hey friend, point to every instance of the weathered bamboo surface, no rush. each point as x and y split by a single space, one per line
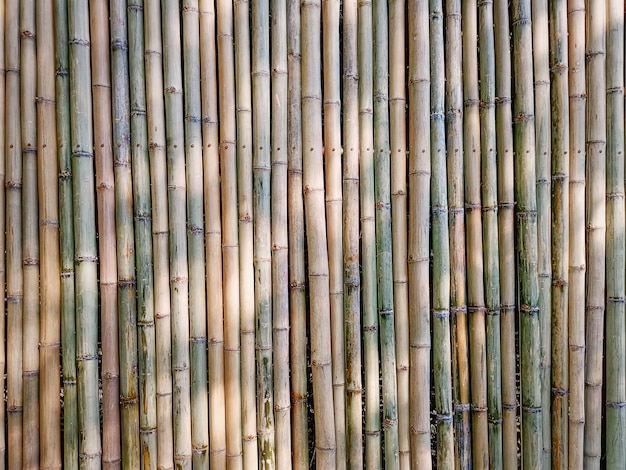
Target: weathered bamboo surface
312 234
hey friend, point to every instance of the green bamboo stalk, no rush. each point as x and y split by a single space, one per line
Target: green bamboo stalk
50 268
615 423
127 283
227 241
577 231
442 359
3 437
313 181
474 234
30 236
13 185
525 196
560 236
297 278
418 242
66 237
506 234
280 251
160 234
397 129
369 304
596 230
456 218
83 181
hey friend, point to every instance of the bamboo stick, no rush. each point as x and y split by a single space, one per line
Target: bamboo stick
90 446
596 230
297 279
313 181
577 231
418 242
280 250
560 237
524 143
50 268
615 423
442 359
160 234
127 292
228 240
14 288
397 129
30 236
3 437
458 307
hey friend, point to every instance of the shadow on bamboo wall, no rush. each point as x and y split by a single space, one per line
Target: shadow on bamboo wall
280 234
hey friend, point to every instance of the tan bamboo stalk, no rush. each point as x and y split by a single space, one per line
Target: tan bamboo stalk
615 414
506 234
474 231
160 234
280 253
577 232
90 444
66 238
418 242
371 358
13 185
50 267
397 130
596 229
3 437
125 235
30 236
246 233
525 196
223 235
313 181
456 211
297 278
442 359
560 235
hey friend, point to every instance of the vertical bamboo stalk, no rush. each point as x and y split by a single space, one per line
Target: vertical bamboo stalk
419 221
351 253
295 213
127 291
442 360
3 437
50 268
560 236
596 229
160 234
81 115
458 307
313 181
577 231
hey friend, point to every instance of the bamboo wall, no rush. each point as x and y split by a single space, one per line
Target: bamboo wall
281 234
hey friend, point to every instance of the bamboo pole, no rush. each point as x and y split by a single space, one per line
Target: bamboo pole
125 235
160 234
458 307
30 236
313 181
295 214
397 130
3 437
50 268
560 237
524 144
596 229
577 231
280 250
615 416
227 240
418 242
442 359
90 446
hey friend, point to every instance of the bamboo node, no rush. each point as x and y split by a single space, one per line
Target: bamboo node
559 391
614 196
471 207
390 423
16 70
509 406
478 409
14 298
495 421
531 409
589 55
79 42
249 438
487 105
87 357
615 404
86 259
462 309
13 185
501 100
41 99
559 282
615 300
528 309
384 313
82 154
441 313
523 117
462 407
476 309
127 401
28 34
493 312
30 262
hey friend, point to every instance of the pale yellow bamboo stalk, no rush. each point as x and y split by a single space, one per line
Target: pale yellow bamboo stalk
3 231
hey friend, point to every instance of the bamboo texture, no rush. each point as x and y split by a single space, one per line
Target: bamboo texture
3 416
